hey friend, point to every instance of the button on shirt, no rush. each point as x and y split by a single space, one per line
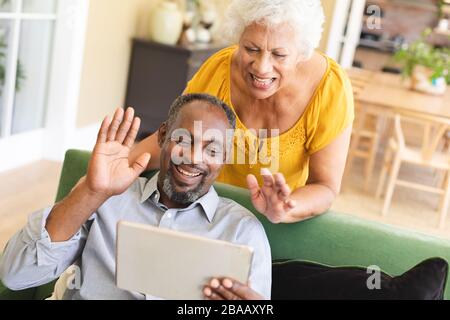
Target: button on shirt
30 259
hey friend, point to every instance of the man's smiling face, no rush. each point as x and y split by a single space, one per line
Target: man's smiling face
188 170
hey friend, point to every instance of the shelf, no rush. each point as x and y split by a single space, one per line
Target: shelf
178 47
408 3
376 32
385 46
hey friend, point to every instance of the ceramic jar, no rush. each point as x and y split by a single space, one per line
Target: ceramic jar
166 23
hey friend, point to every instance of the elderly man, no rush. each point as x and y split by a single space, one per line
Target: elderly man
81 229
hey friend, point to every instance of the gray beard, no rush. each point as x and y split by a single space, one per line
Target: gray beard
184 198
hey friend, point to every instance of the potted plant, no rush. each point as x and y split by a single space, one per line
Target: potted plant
427 67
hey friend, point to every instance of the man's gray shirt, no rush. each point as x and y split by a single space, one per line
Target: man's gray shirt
30 258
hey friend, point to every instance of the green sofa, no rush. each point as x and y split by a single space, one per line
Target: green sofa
333 239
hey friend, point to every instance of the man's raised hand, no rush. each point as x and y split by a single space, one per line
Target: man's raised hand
109 171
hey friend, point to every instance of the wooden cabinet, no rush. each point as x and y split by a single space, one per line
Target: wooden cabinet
158 74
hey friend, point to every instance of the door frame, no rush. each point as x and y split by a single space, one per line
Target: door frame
345 30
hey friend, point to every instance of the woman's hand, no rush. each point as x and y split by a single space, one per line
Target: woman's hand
272 199
228 289
109 172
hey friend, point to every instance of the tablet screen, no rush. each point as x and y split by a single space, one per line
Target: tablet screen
174 265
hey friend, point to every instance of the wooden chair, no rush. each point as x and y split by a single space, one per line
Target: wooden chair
365 135
427 155
364 143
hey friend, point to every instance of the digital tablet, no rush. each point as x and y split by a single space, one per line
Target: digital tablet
174 265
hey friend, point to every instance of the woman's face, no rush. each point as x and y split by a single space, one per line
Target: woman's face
268 58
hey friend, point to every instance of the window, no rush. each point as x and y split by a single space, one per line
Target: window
26 38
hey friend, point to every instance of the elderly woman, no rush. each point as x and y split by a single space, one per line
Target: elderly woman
275 80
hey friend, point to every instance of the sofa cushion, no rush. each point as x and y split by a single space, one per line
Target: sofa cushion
300 280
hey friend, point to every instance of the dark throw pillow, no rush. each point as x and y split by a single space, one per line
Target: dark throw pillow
298 280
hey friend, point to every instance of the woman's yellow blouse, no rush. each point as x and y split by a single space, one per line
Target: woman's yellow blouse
330 111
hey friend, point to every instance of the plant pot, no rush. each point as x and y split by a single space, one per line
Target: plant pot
421 80
166 23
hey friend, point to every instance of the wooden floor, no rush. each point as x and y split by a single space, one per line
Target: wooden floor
33 187
23 191
410 209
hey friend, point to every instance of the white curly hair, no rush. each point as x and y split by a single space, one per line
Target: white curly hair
305 16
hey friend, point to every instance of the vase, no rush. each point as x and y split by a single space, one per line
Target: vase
421 80
443 25
166 23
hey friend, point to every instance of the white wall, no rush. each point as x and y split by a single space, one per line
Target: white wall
111 26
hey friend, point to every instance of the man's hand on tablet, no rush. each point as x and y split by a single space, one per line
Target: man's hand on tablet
229 289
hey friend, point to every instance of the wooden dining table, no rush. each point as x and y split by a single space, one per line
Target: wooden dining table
388 94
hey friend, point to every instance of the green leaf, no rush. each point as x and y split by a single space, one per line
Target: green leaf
420 52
